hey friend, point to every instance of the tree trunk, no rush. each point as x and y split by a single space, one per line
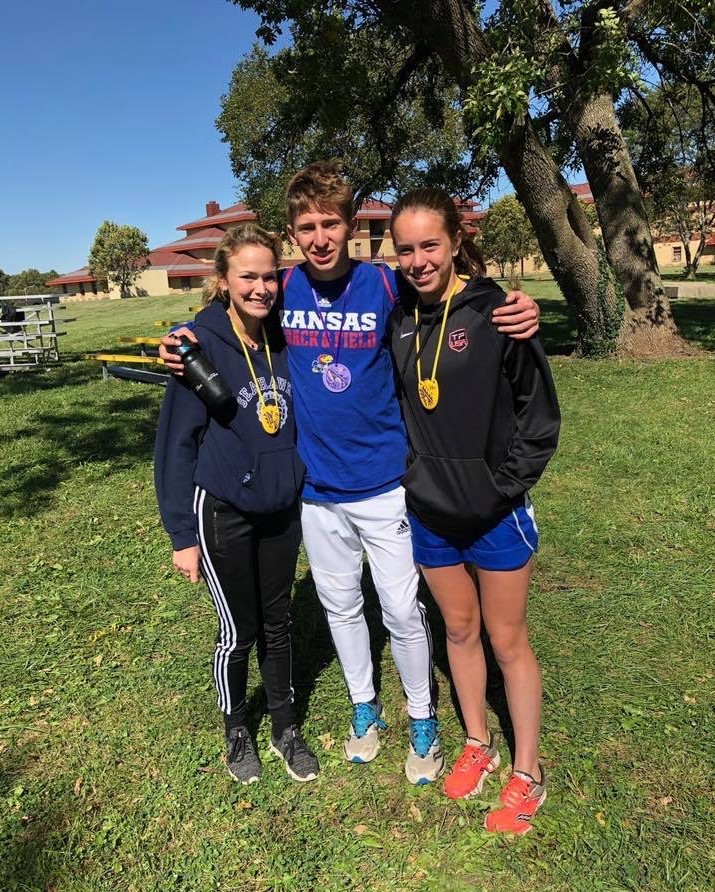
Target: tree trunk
567 242
695 262
624 224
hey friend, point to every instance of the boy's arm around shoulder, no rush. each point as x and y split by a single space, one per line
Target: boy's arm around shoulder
538 417
182 420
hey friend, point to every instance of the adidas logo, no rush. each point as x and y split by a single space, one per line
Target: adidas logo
324 302
403 528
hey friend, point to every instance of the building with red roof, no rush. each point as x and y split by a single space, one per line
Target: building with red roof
183 264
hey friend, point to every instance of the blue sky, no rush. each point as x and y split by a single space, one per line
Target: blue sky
108 112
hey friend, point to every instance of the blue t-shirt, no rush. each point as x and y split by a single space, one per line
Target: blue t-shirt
353 441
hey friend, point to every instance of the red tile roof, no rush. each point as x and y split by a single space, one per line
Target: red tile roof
237 213
208 237
373 209
80 275
583 191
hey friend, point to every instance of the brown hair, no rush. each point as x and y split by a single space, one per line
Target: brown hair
233 239
320 184
469 261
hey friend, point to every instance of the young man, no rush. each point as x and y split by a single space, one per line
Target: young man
352 440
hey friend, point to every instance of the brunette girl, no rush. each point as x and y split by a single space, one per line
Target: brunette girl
483 421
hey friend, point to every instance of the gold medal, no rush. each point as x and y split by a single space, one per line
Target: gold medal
428 389
270 418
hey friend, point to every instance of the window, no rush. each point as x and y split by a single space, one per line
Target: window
677 254
358 249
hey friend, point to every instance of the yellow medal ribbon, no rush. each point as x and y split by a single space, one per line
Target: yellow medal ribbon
428 388
270 416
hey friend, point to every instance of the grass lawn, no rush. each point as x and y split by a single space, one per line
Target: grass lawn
110 740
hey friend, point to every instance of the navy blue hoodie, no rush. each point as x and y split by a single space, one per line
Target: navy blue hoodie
234 459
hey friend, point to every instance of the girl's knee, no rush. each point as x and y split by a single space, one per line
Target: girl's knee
463 630
510 646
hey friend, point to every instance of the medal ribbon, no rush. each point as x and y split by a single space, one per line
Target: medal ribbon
346 295
261 398
430 384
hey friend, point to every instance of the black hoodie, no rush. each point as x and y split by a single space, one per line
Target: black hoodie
497 420
233 459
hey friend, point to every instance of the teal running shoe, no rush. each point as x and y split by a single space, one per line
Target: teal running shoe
363 742
425 760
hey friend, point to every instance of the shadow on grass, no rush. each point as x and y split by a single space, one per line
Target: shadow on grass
696 321
31 839
120 430
50 377
557 330
313 649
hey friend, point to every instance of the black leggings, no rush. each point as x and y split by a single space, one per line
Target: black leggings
248 562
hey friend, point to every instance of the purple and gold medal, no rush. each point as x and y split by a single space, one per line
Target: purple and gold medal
337 377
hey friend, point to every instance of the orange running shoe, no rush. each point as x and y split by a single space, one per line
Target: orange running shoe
520 799
472 768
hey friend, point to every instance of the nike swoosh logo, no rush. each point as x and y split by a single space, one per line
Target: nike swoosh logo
407 335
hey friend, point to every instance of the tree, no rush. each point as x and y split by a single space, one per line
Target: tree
536 90
382 147
672 139
506 235
4 281
118 254
29 281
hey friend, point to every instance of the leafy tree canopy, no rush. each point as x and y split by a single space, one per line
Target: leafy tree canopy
277 117
118 254
29 281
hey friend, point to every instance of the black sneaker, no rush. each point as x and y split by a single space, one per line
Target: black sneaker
298 758
241 757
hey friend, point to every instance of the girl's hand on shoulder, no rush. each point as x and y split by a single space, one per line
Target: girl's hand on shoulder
518 317
173 362
186 561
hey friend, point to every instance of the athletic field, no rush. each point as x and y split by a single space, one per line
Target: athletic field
110 740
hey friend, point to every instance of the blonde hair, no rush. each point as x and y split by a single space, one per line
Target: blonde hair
321 185
234 239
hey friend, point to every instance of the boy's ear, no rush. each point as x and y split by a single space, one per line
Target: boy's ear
291 236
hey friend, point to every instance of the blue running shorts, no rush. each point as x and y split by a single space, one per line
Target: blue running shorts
506 546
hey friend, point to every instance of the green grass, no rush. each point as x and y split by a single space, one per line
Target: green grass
110 741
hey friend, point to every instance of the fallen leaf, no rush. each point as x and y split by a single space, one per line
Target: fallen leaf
244 804
600 818
98 660
327 740
689 700
416 813
78 786
666 800
360 829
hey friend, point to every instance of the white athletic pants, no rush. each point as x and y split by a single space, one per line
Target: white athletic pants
334 535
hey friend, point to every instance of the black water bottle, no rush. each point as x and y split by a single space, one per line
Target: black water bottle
203 378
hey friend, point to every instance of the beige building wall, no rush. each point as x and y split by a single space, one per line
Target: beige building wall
151 282
672 253
196 283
